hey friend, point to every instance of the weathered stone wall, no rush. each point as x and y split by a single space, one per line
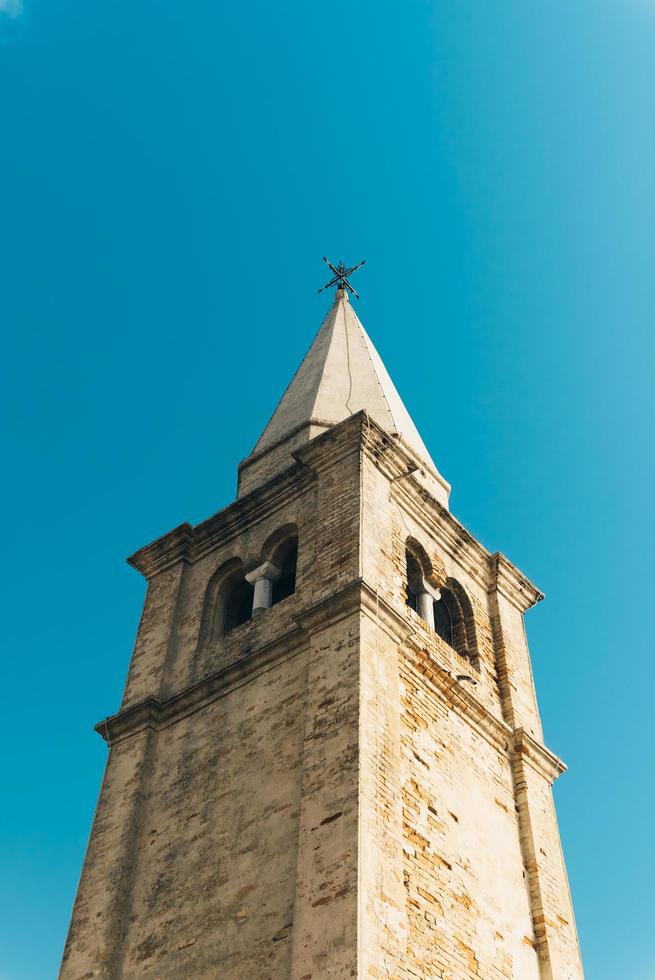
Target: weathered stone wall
486 893
467 898
317 795
214 883
201 851
101 911
221 826
326 912
397 510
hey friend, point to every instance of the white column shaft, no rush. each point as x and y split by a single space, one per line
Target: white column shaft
426 608
263 595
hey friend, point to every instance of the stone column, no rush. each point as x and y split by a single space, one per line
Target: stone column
426 604
262 578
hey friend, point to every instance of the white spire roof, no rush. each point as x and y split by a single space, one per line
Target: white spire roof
341 374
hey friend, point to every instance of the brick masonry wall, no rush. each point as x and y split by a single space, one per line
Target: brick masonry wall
467 898
214 886
318 797
102 903
218 831
208 888
486 888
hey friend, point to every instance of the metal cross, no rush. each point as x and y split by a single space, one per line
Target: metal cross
340 278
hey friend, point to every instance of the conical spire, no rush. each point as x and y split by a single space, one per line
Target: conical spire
341 374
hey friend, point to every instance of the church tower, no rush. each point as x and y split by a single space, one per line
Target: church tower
328 761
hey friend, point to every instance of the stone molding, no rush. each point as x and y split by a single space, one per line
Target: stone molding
511 742
439 523
307 424
539 757
164 552
190 543
156 714
392 455
511 583
327 450
357 597
491 571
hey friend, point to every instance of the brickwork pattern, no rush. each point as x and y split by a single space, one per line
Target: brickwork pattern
317 795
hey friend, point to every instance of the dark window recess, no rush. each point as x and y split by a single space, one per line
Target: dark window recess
286 584
238 606
412 599
414 576
443 619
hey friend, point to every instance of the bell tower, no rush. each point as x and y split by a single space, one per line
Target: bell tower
328 761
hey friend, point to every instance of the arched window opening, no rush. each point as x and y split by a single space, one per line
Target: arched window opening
228 603
279 566
444 625
238 605
446 609
464 631
453 620
286 559
414 576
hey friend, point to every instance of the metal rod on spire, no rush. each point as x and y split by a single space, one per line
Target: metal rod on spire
341 274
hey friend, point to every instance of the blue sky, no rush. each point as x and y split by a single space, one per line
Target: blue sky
171 176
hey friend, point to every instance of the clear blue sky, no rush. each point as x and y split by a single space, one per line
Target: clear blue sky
171 174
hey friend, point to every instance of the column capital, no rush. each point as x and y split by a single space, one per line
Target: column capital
266 570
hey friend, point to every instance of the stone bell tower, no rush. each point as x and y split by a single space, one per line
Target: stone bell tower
328 761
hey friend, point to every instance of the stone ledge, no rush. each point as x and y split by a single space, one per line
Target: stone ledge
156 714
164 552
492 571
355 598
512 584
541 758
357 595
511 742
190 543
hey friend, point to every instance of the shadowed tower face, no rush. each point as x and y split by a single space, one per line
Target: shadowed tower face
328 761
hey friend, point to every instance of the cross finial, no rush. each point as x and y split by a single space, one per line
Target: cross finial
340 277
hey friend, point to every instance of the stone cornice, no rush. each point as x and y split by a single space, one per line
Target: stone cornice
251 508
190 543
440 523
156 714
514 744
164 552
255 456
538 756
391 454
387 450
288 437
356 596
328 449
492 571
511 583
